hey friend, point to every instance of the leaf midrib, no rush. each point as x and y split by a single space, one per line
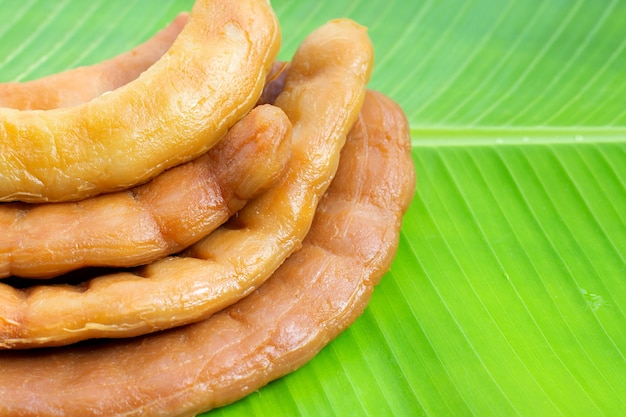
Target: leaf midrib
522 135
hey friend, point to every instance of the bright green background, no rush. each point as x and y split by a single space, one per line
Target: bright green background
508 293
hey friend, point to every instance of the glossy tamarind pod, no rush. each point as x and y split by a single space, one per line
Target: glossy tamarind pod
146 223
318 292
322 95
177 109
82 84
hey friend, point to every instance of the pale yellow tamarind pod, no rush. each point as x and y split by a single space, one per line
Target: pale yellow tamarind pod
177 109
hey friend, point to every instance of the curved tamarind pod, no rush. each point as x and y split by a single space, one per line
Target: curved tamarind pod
310 299
174 111
79 85
322 96
162 217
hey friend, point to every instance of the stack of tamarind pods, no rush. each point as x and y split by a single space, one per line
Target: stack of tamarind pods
262 203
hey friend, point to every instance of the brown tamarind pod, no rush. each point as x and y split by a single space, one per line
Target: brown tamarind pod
319 291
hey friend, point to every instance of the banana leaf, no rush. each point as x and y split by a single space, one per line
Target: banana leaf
508 292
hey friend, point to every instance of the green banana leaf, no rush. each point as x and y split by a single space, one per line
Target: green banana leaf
507 296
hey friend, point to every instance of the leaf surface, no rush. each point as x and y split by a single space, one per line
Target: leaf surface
508 293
